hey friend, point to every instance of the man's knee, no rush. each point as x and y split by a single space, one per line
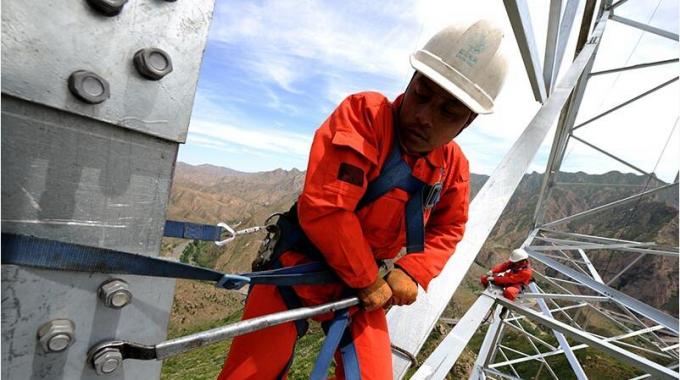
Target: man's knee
511 292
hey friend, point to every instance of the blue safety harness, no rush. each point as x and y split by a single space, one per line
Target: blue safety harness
54 255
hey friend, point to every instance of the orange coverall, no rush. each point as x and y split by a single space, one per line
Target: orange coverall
513 279
348 151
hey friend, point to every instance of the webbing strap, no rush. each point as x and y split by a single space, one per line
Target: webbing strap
397 174
350 359
195 231
55 255
336 330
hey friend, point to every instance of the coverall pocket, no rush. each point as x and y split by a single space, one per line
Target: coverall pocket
383 220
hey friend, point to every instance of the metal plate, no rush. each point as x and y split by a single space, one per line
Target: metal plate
78 180
43 42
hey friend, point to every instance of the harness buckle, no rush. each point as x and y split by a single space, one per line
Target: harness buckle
432 195
266 250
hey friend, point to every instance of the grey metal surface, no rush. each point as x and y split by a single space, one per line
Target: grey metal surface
645 27
442 359
518 12
43 42
73 179
549 64
409 327
638 361
564 345
488 345
642 308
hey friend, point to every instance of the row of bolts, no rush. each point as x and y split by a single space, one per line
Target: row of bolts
58 334
151 63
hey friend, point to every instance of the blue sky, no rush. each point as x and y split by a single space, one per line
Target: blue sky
274 70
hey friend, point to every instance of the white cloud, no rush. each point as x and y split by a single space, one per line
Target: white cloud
265 140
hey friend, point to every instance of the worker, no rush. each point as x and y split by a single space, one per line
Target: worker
353 214
512 275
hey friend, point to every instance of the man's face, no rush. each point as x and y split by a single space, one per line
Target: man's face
429 116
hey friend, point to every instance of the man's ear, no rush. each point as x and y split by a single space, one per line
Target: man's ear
472 118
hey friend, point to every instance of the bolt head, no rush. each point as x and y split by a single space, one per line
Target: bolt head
56 335
108 8
115 293
107 361
88 87
152 63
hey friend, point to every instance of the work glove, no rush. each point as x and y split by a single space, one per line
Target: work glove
404 288
489 273
376 295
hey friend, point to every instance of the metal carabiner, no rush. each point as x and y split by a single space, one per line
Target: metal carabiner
230 230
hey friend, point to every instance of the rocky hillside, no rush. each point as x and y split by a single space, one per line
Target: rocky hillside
213 194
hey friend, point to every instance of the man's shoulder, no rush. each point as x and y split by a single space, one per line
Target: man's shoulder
371 100
456 161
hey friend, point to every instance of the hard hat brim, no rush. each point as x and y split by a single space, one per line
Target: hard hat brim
425 63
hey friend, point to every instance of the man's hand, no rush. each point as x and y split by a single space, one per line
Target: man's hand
404 288
489 273
375 295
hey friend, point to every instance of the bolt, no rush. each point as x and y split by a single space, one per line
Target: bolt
152 63
107 361
109 8
115 293
88 86
56 335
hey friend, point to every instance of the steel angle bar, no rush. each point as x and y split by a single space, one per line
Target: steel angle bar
638 361
554 310
582 246
531 337
410 326
634 67
593 243
625 269
489 343
645 27
549 57
627 102
587 237
596 184
609 205
564 345
568 115
518 13
442 359
616 296
531 342
593 272
502 375
565 31
617 4
567 297
673 347
647 376
506 359
573 348
616 158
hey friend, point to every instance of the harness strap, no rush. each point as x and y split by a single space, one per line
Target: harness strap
195 231
397 174
55 255
336 330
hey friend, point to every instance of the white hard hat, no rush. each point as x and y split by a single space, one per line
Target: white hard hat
518 255
468 63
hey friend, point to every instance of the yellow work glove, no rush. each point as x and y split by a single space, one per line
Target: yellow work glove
404 288
375 295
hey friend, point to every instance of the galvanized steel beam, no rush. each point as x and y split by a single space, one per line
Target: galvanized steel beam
616 296
518 13
640 362
634 67
645 27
